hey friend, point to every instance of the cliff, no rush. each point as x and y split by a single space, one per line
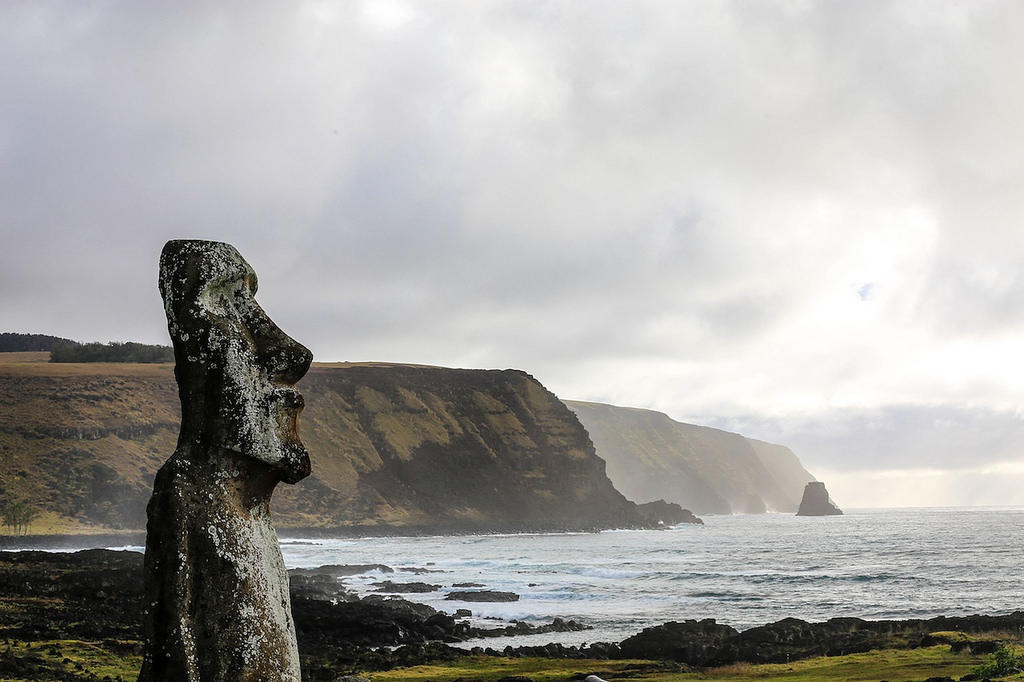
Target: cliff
395 448
429 447
706 470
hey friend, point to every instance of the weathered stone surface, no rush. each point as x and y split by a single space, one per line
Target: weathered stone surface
816 501
217 602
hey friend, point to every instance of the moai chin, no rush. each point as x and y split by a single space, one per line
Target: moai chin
217 603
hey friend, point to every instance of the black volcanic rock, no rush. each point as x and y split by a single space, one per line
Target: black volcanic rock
694 642
482 596
97 595
706 643
389 587
667 513
816 501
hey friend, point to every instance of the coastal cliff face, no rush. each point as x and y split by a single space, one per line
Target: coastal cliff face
708 471
433 448
395 448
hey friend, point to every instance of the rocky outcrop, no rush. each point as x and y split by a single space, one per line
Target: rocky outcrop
684 641
816 501
706 643
97 596
481 596
667 513
706 470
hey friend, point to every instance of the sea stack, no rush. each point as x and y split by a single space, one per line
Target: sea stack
816 501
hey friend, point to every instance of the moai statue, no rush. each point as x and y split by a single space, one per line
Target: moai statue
217 604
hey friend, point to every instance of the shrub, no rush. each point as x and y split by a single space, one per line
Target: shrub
1005 661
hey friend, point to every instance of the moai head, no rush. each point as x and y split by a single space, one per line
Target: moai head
236 370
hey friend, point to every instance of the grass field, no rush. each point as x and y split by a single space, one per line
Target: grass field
120 660
892 665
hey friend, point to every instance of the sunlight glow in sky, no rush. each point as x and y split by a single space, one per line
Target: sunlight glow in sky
800 221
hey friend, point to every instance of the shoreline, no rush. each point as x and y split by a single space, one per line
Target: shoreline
72 541
95 596
106 538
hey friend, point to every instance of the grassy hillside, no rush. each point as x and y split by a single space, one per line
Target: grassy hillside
394 447
82 442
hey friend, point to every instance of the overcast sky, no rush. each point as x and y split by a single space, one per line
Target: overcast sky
802 221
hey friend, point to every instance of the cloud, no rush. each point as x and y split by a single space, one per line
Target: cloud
905 455
714 209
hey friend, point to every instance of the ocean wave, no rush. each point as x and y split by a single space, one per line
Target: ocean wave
740 570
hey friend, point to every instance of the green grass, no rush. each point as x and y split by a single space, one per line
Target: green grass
892 665
76 659
115 659
539 669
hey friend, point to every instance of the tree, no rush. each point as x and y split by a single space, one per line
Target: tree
11 342
110 352
18 517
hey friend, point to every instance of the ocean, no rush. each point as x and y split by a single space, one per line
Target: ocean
743 570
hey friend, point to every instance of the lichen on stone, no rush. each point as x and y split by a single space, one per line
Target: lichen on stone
216 580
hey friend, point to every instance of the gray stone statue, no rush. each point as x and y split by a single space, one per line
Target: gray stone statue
217 604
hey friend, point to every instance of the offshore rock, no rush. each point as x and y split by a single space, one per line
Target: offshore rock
667 513
217 601
482 596
816 501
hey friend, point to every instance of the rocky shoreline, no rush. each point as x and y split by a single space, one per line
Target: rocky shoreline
97 595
